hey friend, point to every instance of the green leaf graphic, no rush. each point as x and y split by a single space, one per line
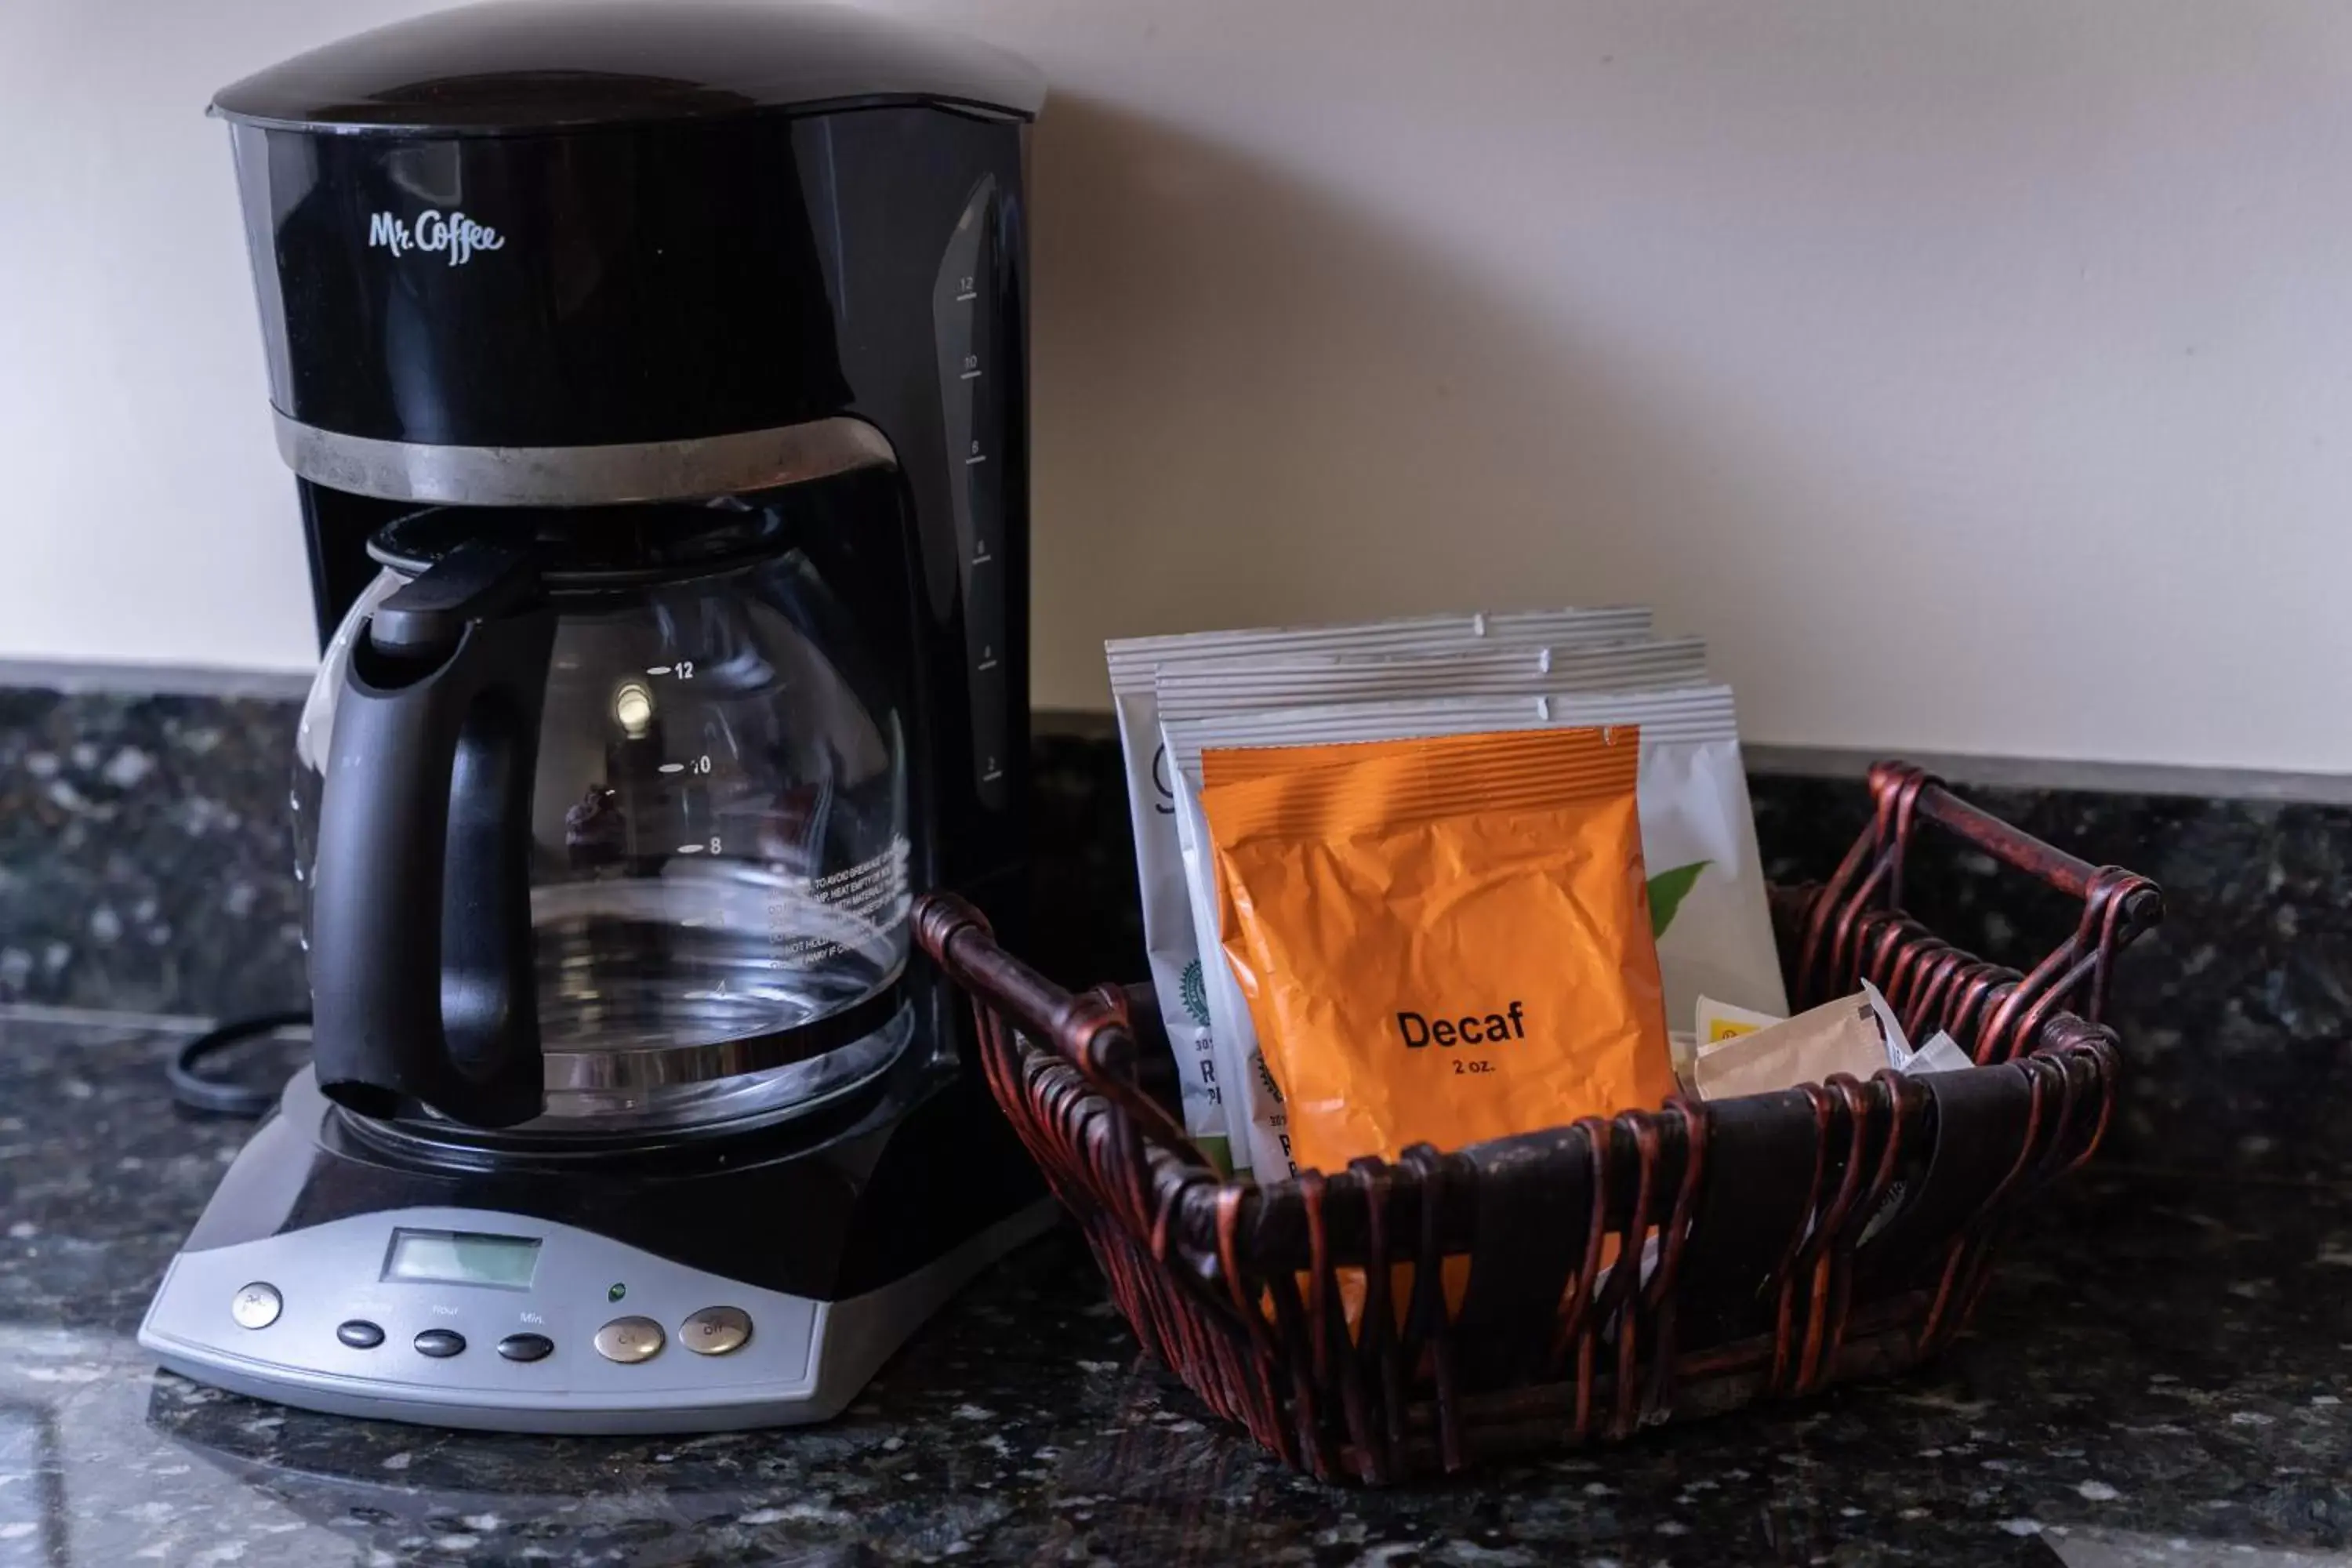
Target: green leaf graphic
1667 891
1194 993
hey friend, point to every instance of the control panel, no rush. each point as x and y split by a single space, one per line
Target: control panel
971 347
455 1308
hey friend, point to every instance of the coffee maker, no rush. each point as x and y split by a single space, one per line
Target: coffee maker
654 378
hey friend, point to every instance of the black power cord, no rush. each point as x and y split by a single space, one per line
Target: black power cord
218 1097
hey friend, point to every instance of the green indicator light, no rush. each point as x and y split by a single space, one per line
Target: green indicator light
617 1292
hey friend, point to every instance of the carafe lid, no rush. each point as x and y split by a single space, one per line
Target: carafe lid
592 550
530 66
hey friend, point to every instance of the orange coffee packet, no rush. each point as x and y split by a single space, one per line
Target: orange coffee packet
1441 940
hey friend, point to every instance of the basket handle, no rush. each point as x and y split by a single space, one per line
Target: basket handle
1090 1031
2117 905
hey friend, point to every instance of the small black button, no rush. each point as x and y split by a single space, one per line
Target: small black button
525 1347
439 1343
359 1334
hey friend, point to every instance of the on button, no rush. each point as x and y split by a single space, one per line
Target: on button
629 1340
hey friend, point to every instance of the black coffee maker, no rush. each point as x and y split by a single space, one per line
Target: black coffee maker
655 379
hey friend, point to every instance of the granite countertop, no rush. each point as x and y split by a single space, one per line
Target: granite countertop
2158 1376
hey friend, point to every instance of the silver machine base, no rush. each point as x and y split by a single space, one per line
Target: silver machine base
804 1360
323 1313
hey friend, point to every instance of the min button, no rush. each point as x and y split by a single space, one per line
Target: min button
715 1331
629 1340
525 1347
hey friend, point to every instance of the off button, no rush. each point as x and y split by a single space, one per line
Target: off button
629 1340
715 1331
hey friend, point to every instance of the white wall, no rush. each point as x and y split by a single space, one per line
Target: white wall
1975 376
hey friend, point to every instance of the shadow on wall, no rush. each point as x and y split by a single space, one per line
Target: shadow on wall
1252 398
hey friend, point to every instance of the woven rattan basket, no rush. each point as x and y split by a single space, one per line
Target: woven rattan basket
1656 1266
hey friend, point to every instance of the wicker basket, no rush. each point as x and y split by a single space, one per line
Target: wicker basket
1614 1273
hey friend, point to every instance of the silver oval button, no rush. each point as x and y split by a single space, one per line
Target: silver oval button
715 1331
257 1306
629 1340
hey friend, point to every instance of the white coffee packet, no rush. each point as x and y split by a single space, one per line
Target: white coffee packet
1204 687
1178 976
1698 836
1940 1054
1223 688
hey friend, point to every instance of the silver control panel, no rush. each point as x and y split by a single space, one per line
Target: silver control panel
436 1314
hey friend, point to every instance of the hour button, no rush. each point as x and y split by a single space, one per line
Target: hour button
257 1306
715 1331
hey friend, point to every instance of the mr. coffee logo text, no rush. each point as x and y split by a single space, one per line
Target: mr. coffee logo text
453 234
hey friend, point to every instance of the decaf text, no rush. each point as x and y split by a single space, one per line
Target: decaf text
1470 1029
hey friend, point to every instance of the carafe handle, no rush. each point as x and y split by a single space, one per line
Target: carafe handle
420 968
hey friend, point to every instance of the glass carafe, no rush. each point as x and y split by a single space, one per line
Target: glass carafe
600 828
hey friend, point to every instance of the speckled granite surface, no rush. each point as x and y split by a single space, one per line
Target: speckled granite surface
2181 1401
2159 1375
145 863
2235 1014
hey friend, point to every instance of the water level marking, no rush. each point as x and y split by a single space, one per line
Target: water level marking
671 768
657 670
690 848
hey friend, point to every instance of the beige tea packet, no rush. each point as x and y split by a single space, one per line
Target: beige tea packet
1838 1036
1740 1051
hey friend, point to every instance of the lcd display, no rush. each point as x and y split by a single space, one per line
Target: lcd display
461 1258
